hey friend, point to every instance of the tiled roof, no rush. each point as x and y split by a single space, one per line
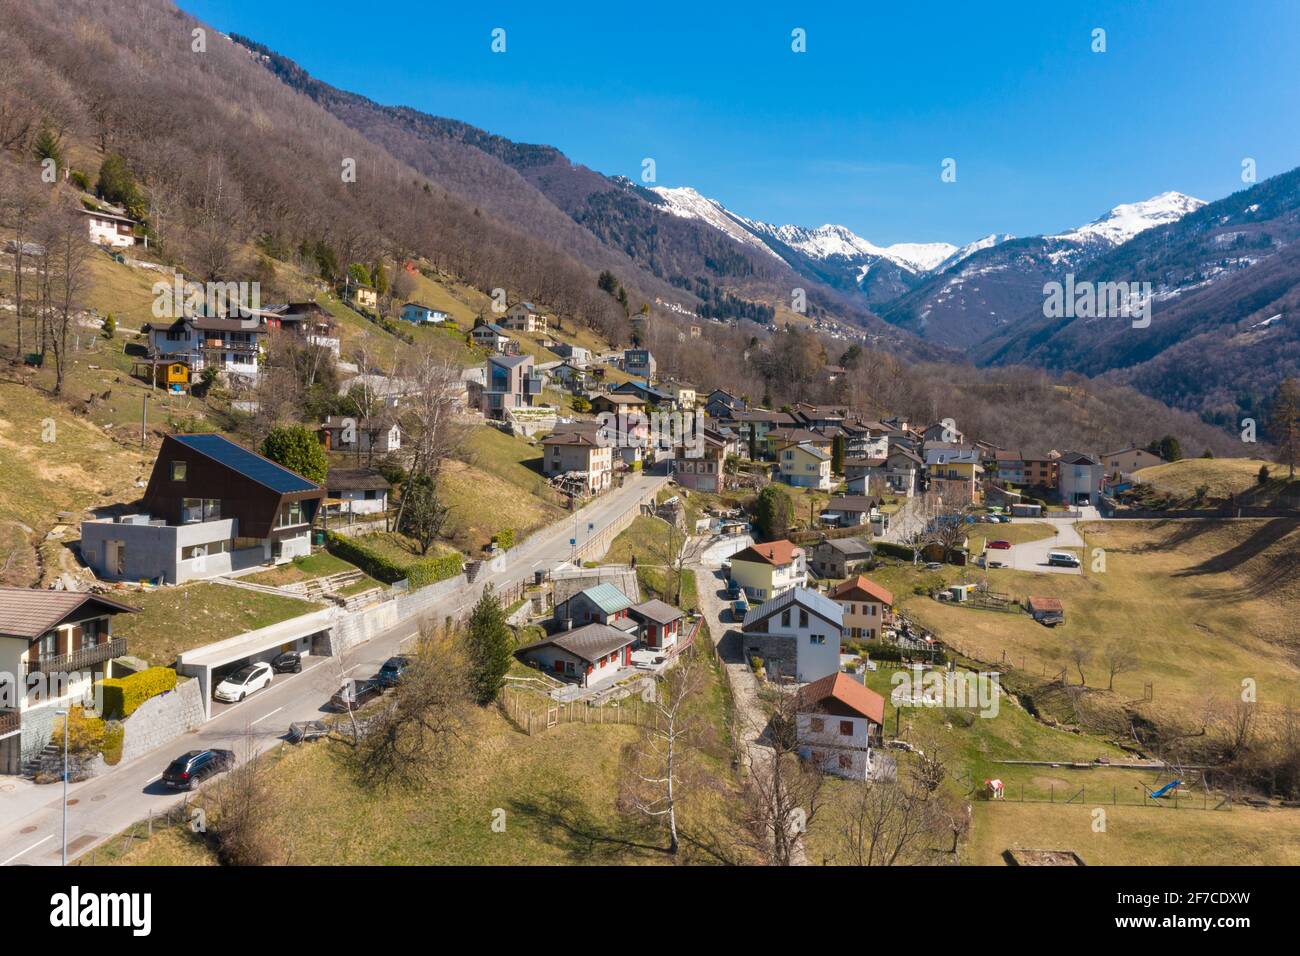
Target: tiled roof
773 552
29 613
864 585
844 690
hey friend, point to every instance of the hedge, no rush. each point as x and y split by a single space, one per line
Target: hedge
894 550
383 568
123 695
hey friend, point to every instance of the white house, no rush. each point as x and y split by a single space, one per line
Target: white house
109 229
489 335
423 314
356 491
1080 476
233 346
797 631
837 722
585 655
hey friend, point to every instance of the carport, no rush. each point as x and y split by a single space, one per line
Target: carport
299 633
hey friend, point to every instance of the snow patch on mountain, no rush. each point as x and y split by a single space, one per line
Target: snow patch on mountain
685 202
1128 219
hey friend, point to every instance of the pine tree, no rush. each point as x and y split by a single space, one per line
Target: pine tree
489 643
837 454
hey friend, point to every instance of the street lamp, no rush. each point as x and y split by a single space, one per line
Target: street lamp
65 715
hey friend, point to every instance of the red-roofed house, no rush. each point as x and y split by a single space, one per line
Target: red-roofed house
866 607
766 570
837 723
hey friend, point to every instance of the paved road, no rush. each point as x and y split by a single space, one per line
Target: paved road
30 815
1032 555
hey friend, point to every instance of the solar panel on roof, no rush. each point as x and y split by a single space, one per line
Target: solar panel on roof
255 467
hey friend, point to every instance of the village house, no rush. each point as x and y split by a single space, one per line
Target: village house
1079 477
955 473
849 511
511 382
363 297
581 456
641 363
1040 469
644 391
868 468
601 603
231 346
866 607
524 317
779 438
573 378
586 655
211 507
54 646
805 466
797 634
702 470
1128 460
355 491
755 424
1010 466
682 394
765 570
421 314
722 404
659 625
940 433
109 229
576 354
819 416
490 336
617 403
839 557
838 721
307 320
342 433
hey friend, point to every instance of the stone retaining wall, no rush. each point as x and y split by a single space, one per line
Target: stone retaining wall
162 719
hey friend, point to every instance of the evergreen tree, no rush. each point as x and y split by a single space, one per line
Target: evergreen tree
773 512
837 454
489 644
296 448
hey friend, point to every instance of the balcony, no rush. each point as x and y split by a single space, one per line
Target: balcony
11 722
80 659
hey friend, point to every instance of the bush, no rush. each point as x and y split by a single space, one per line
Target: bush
114 737
123 695
504 539
80 180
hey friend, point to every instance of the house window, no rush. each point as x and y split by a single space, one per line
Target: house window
846 762
785 618
817 725
803 618
846 728
178 471
290 514
817 639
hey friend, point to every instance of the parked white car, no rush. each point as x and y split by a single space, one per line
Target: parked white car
247 680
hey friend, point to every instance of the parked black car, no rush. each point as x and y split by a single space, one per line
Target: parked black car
290 662
392 671
189 770
355 694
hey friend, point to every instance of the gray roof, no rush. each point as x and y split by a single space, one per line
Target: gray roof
590 642
606 597
813 601
852 504
849 545
660 612
510 361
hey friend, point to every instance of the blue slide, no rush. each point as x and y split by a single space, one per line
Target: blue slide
1165 789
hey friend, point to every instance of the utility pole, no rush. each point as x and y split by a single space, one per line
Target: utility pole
66 715
144 417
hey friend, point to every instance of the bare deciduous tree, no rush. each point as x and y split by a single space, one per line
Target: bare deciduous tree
782 795
1121 657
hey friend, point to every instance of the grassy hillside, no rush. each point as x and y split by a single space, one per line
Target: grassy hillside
1195 482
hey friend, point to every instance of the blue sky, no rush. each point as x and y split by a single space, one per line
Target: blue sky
1046 134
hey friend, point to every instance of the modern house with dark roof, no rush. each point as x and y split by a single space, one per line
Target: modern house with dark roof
54 646
837 722
585 655
211 507
797 634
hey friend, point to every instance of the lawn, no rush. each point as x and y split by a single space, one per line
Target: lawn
1220 478
1015 533
1204 603
499 485
398 548
558 791
649 539
318 565
175 619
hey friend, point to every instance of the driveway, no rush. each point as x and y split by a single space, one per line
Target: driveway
1032 555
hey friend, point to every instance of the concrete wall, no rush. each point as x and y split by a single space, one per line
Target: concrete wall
162 719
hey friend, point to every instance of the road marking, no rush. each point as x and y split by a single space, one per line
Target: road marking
264 716
28 850
153 780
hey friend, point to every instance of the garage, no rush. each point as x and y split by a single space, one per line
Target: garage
212 662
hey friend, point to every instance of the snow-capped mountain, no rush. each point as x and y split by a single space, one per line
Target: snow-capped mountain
686 202
968 250
1129 219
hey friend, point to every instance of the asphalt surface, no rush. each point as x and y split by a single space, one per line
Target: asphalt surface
31 816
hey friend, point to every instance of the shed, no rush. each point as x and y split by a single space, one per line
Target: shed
1045 610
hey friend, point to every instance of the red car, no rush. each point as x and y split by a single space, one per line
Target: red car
999 545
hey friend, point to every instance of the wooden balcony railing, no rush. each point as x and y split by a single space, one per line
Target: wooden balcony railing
79 659
10 722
